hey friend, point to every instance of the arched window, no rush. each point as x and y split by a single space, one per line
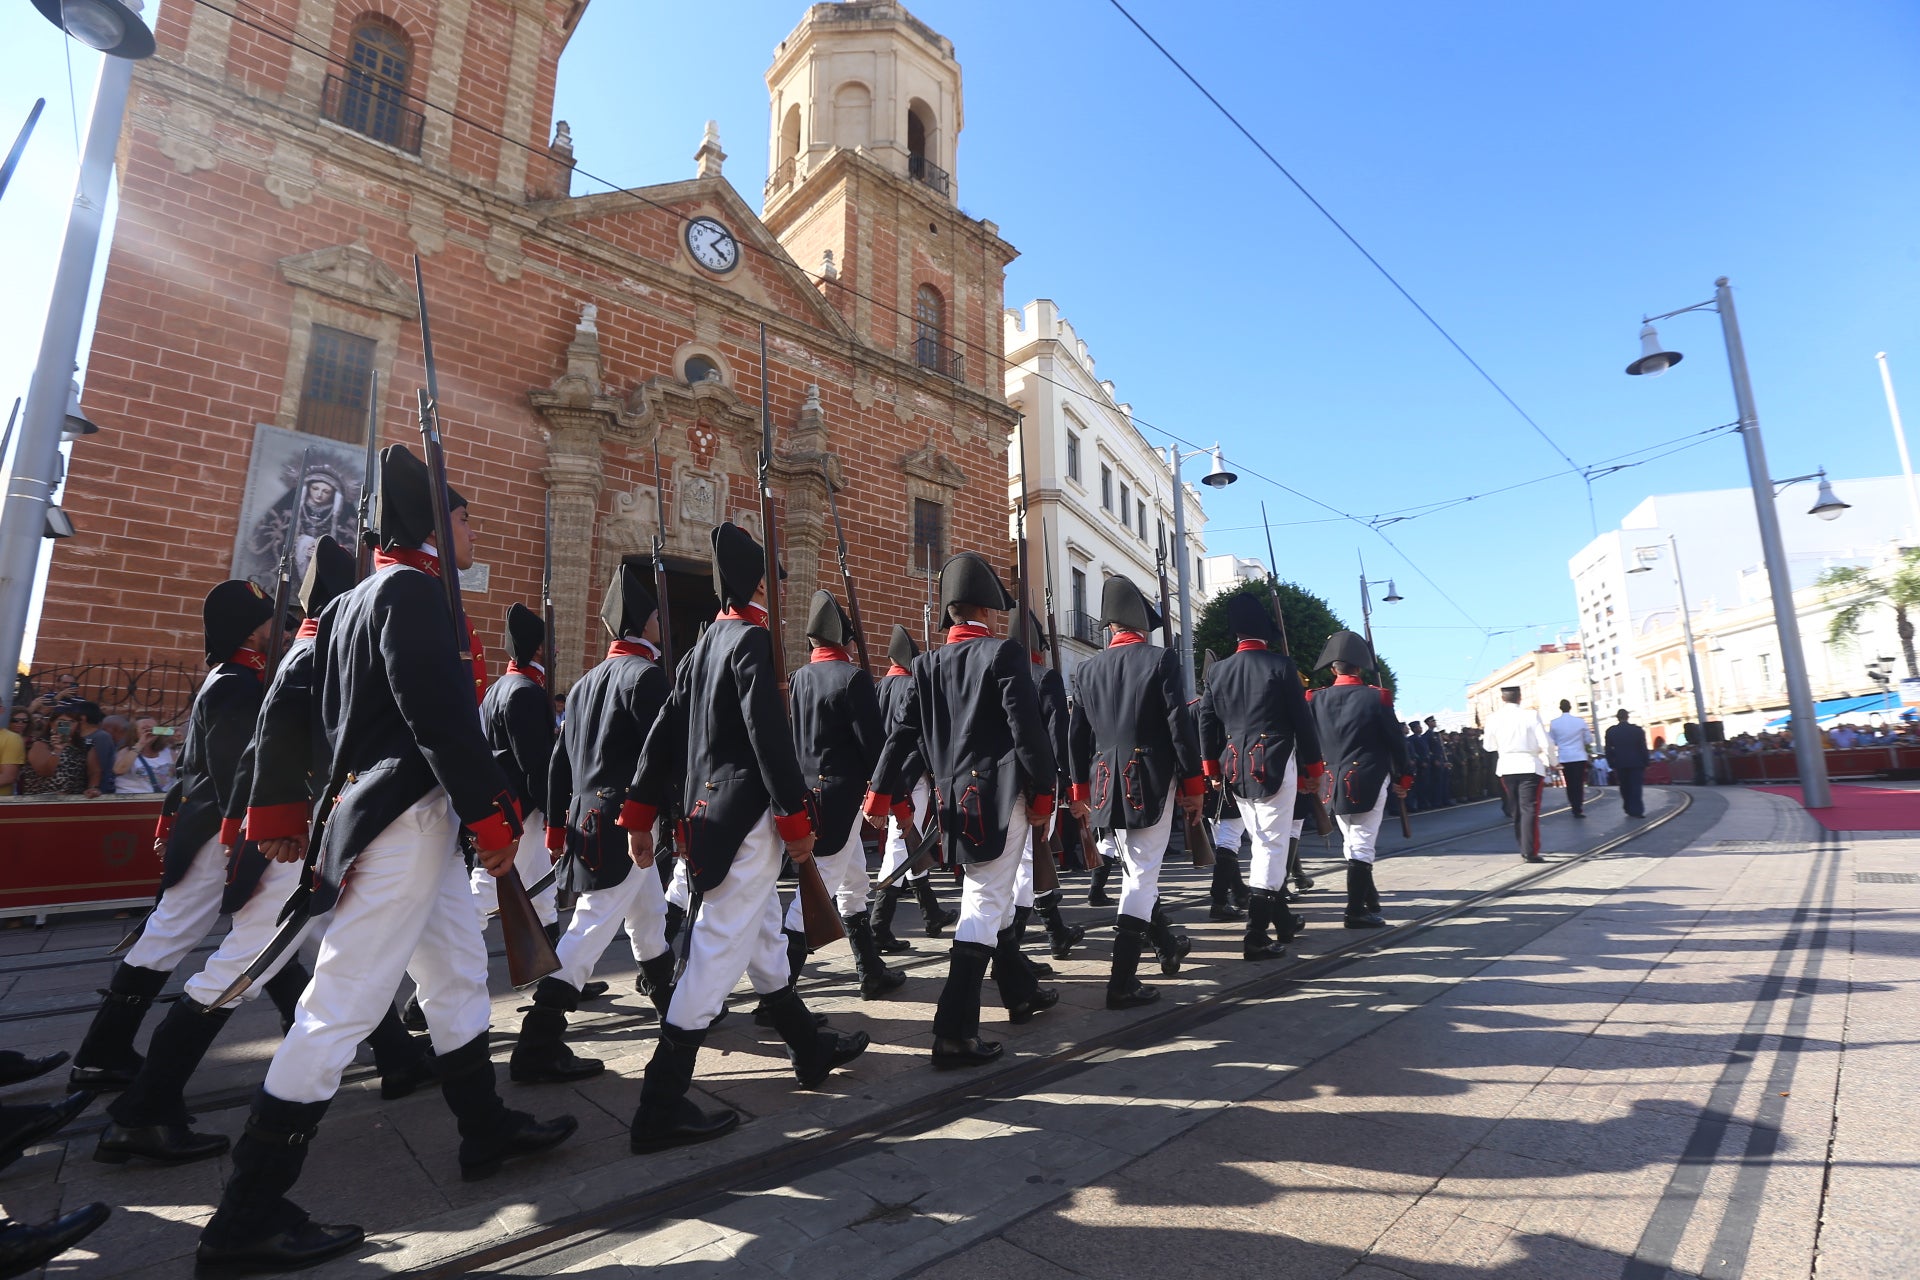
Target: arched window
790 134
373 96
929 330
700 368
852 116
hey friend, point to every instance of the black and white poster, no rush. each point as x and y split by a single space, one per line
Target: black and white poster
300 487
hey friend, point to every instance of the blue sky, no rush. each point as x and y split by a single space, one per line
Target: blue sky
1537 175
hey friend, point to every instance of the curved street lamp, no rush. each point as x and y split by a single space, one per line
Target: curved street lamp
107 26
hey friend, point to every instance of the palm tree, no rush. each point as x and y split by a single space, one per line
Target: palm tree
1898 590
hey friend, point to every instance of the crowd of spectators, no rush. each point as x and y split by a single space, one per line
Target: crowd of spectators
59 743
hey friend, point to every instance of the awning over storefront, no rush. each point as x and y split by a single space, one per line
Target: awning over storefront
1871 708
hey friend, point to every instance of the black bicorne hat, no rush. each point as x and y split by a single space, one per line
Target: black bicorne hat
739 563
968 579
1347 647
403 516
901 650
526 632
1248 615
1123 605
232 611
627 604
827 622
331 573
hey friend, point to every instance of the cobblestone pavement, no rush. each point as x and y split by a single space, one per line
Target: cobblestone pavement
1682 1053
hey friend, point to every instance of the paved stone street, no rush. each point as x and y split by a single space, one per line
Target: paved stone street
1686 1053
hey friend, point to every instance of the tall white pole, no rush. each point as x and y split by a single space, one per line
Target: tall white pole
1693 662
1179 551
36 467
1900 438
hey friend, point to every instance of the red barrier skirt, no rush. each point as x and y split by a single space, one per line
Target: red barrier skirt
70 853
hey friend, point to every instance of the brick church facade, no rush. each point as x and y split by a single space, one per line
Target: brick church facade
278 174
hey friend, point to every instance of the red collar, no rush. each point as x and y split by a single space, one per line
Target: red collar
309 628
1126 637
530 671
748 612
897 670
967 631
1039 659
634 649
1348 680
1251 646
412 557
245 657
830 653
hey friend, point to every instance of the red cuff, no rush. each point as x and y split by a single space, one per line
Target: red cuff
229 832
1193 786
556 840
1209 768
163 828
278 821
1080 793
903 814
877 805
1407 781
1315 769
496 829
1042 805
793 826
635 816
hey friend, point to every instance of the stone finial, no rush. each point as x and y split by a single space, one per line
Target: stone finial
589 320
710 156
827 270
562 135
812 404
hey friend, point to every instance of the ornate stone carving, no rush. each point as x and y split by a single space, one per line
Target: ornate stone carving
186 138
290 174
935 468
427 223
352 274
504 259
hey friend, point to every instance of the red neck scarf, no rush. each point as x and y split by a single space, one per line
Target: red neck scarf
1348 680
412 557
1251 646
1126 637
830 653
531 671
1039 658
749 612
251 658
309 628
967 631
633 649
897 670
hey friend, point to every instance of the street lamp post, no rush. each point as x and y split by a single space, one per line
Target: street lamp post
1708 772
1218 478
1815 791
1393 596
116 30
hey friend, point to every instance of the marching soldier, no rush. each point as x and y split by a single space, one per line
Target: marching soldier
610 711
895 687
518 718
238 618
1061 936
724 745
150 1119
974 718
1227 893
1135 759
1257 735
837 733
1366 749
410 765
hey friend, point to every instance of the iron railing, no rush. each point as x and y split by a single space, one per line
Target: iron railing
1083 627
931 353
781 176
928 174
163 690
374 108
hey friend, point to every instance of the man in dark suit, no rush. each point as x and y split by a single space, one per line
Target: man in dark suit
1627 759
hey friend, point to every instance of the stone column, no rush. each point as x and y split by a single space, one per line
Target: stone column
806 531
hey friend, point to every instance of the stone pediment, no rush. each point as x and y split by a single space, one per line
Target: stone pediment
935 468
663 400
350 273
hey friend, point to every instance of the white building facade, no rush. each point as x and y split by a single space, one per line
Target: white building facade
1222 573
1099 497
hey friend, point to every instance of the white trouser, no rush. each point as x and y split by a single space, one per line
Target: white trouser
531 860
1270 824
845 875
987 889
1359 831
185 912
896 851
405 906
1109 847
1227 831
254 925
1299 828
737 931
1140 852
680 892
1023 878
639 902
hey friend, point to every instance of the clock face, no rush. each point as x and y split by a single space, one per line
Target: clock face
712 245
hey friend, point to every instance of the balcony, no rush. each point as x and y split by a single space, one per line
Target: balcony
370 107
929 353
782 176
928 174
1082 626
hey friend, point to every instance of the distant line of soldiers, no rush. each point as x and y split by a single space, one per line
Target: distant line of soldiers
1449 768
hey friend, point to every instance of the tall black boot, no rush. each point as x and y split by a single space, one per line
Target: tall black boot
256 1228
885 903
1169 946
1020 990
1022 917
1097 891
489 1133
1062 936
553 932
412 1016
1295 868
797 952
656 981
1360 912
813 1049
150 1119
1238 894
938 918
1226 870
1373 890
405 1065
105 1060
541 1056
956 1018
1124 988
876 978
676 921
285 989
1266 906
666 1117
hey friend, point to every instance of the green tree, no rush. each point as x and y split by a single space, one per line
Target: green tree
1898 590
1310 620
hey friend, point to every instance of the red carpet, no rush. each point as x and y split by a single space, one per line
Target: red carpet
1863 808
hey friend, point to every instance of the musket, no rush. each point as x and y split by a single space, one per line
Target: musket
1199 840
7 439
530 957
819 916
368 480
1322 820
1090 858
667 833
552 872
846 574
1366 624
926 609
1046 872
19 145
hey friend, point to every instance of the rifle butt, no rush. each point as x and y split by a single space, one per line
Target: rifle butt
1199 843
819 917
530 957
1322 820
1406 828
1046 872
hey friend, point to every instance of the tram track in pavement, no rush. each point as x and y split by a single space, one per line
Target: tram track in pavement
552 1247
